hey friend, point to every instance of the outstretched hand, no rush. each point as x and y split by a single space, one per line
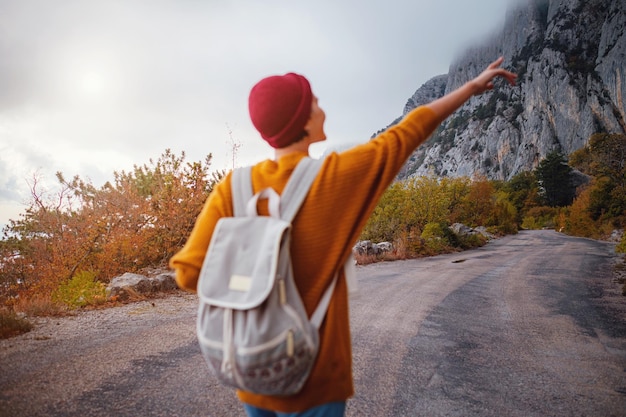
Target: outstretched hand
484 81
446 105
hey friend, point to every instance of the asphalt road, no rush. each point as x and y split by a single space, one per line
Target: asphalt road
529 325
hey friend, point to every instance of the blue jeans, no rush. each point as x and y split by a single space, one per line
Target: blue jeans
336 409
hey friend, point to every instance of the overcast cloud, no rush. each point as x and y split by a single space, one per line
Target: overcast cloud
89 87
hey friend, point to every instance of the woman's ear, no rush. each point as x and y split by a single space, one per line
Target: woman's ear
307 126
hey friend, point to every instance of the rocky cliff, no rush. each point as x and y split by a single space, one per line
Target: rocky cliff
569 55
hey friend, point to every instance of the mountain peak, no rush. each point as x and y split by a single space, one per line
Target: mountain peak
569 56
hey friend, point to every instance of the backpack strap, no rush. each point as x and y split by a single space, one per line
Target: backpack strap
298 187
322 307
292 197
241 186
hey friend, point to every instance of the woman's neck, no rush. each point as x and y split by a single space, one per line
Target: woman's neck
300 147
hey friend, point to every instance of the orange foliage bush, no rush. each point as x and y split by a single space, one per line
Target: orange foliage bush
477 206
137 222
579 221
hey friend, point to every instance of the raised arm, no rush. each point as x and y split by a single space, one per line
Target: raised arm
446 105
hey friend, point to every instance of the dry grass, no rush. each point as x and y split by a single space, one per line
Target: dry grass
11 324
40 307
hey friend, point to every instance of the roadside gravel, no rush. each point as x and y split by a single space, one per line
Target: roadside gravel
174 304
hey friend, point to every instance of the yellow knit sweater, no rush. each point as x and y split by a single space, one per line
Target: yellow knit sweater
341 199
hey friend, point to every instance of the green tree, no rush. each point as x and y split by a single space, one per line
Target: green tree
522 191
555 181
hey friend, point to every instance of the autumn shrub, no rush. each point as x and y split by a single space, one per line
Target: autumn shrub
12 325
504 215
530 223
80 291
137 221
579 221
603 159
435 237
523 192
387 220
400 250
470 241
561 219
476 206
540 218
409 244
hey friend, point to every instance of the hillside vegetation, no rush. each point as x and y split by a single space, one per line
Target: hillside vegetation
66 243
584 197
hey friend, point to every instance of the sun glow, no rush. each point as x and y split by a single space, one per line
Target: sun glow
91 84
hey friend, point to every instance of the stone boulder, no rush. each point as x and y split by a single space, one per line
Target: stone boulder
367 247
130 285
483 231
616 235
384 246
460 229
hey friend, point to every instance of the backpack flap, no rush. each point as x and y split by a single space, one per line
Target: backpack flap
240 266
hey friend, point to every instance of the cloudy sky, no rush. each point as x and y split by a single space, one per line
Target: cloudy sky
89 87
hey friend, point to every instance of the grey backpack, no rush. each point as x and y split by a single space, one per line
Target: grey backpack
252 327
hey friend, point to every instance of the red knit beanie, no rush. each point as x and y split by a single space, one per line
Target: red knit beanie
280 107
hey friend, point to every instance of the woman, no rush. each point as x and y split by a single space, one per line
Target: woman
288 117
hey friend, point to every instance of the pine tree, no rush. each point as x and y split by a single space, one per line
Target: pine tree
554 176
